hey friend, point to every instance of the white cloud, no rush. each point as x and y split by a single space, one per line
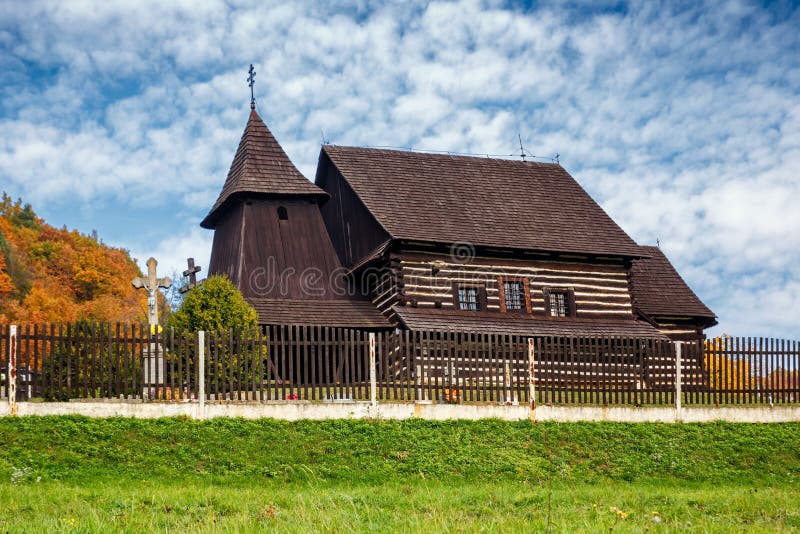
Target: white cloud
682 120
172 252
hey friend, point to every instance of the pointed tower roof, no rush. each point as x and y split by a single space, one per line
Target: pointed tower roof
261 167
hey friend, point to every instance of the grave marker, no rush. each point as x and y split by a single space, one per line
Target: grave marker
153 363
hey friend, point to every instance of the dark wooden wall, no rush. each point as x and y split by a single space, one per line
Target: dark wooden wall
292 259
227 244
295 256
353 230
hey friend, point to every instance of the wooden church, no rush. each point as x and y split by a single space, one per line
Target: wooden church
387 239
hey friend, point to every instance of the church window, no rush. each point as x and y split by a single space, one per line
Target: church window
559 302
469 297
514 293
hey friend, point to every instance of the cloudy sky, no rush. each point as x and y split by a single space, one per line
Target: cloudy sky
681 119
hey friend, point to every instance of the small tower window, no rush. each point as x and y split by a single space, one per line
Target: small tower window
283 215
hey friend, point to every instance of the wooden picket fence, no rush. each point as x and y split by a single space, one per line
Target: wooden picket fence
60 362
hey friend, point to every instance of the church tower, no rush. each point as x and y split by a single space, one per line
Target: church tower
271 242
269 237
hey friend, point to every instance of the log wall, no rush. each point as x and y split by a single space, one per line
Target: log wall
601 290
679 328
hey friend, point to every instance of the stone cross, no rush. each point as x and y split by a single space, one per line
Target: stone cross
190 272
151 284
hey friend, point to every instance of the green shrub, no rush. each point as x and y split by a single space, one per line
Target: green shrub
214 305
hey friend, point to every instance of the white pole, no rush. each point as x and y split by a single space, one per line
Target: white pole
678 379
12 369
531 378
201 370
373 380
507 382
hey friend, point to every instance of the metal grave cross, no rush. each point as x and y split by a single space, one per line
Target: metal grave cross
151 284
190 272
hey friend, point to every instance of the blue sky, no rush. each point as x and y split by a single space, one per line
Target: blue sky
681 119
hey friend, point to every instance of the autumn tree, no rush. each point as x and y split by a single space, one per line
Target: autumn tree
52 274
725 372
6 285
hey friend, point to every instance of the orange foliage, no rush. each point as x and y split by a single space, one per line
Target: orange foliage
56 275
6 285
783 379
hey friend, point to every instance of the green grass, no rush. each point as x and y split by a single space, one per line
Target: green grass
424 506
77 474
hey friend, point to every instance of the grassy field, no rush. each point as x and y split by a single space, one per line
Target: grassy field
74 474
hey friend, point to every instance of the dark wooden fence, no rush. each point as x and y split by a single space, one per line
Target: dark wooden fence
308 363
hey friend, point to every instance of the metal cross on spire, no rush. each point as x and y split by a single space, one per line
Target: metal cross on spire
251 81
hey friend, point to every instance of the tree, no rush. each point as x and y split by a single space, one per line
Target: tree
52 274
6 285
724 372
783 383
214 305
172 298
217 305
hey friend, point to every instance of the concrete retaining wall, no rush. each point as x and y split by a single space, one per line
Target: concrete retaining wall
293 411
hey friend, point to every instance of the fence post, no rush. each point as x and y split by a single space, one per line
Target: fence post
418 381
531 377
201 370
373 379
678 379
11 374
508 397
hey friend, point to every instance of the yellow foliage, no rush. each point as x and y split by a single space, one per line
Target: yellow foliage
726 373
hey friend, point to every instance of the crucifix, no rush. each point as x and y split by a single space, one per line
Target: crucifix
251 81
151 284
153 362
190 272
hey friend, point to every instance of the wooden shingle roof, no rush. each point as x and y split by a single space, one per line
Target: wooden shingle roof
658 289
483 201
345 313
519 324
261 166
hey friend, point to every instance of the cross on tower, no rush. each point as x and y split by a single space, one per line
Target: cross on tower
151 284
251 81
190 272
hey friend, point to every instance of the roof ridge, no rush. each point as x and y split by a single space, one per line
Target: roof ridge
512 158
